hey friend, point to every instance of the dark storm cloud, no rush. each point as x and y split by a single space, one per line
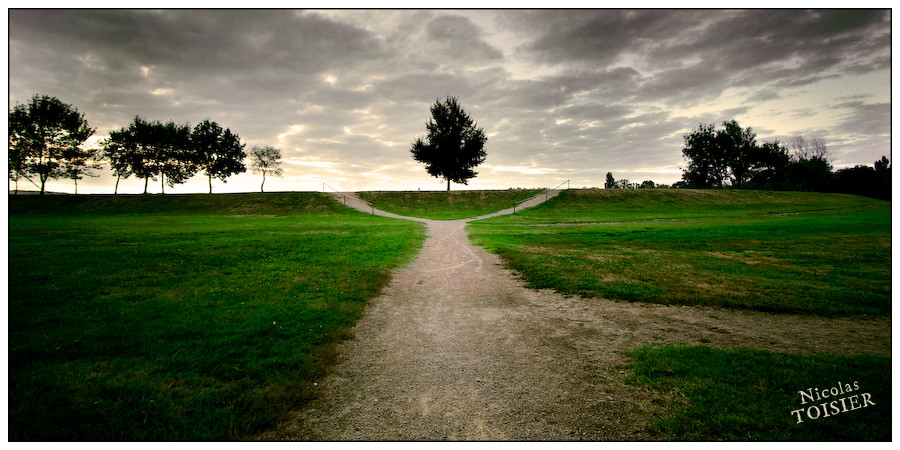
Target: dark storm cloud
597 37
738 48
226 59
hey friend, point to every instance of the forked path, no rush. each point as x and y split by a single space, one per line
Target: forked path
457 348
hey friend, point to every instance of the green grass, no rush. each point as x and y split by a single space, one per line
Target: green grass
197 317
443 205
794 252
750 395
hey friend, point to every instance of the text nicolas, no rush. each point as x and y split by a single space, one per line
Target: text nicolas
831 402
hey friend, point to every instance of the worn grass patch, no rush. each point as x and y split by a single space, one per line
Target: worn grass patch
445 205
793 252
707 394
199 317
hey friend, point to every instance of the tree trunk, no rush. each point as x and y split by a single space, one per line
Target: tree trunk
210 184
146 181
448 185
116 191
263 183
76 186
162 184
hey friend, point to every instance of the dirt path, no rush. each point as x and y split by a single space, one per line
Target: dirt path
455 348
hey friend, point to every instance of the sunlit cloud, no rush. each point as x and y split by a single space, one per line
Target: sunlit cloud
291 131
519 169
311 162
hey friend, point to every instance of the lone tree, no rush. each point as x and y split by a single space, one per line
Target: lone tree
265 160
454 144
44 137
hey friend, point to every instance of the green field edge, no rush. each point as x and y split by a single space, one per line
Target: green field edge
535 246
700 393
63 411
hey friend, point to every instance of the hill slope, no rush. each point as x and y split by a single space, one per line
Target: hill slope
446 205
771 251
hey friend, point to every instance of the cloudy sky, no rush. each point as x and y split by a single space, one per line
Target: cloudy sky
562 94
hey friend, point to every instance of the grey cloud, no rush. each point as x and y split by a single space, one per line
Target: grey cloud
739 48
196 55
594 111
866 119
596 36
342 98
425 86
685 86
459 39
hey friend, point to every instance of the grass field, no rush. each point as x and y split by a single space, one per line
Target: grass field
206 317
707 394
195 317
445 205
827 254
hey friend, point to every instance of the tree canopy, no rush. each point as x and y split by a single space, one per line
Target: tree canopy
610 181
173 152
454 144
731 157
47 136
45 140
219 152
265 160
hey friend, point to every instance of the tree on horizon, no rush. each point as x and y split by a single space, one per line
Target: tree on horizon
265 160
219 152
454 144
44 136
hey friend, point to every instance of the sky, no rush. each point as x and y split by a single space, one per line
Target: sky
563 95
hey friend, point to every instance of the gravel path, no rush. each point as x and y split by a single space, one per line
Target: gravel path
456 348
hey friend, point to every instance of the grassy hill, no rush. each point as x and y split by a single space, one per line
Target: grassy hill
446 205
770 251
183 317
278 204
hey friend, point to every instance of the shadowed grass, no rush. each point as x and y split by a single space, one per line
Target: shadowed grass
825 254
445 205
200 317
708 394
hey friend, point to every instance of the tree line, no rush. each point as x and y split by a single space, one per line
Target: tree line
47 137
731 157
612 183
